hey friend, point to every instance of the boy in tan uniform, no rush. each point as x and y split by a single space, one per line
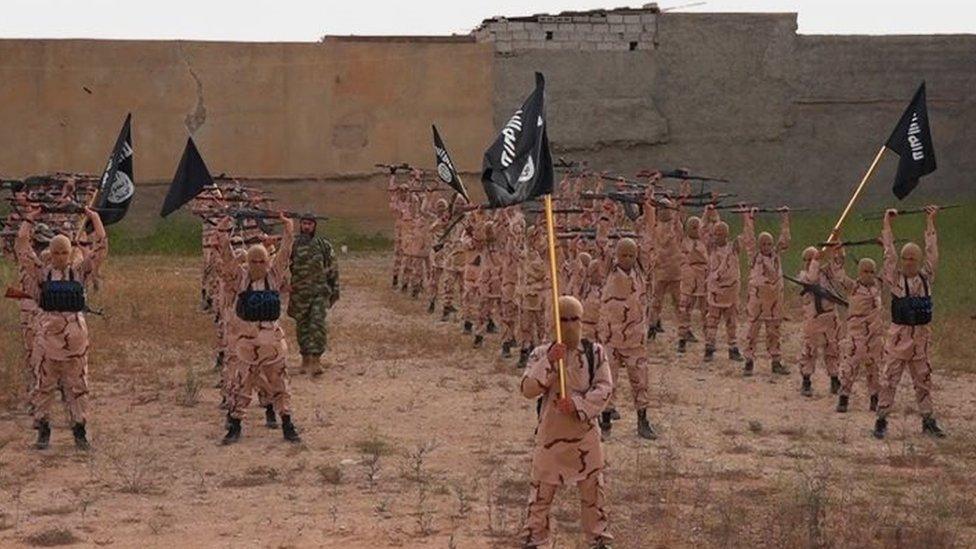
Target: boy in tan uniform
909 278
567 442
512 254
60 347
722 285
532 310
254 333
622 328
864 342
694 269
667 264
764 302
821 329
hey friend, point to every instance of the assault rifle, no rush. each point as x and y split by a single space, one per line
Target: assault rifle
717 205
686 176
819 293
627 198
782 209
590 234
14 293
265 199
620 179
912 211
852 243
71 208
556 210
394 168
254 213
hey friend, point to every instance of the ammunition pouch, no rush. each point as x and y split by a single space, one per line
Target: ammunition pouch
259 305
62 296
912 310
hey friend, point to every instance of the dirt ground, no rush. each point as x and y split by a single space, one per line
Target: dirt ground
414 439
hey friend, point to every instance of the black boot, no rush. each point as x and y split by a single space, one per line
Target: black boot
478 341
605 425
735 355
507 348
874 403
644 429
930 427
709 353
880 428
81 437
747 369
681 346
270 419
491 328
233 431
834 385
524 357
842 404
778 368
288 429
432 307
806 389
43 434
468 327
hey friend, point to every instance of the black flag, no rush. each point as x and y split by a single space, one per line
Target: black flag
912 141
116 188
191 177
445 167
518 165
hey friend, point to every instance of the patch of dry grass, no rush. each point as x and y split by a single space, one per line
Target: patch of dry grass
52 537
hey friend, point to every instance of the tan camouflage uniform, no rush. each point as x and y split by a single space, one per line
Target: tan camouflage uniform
764 302
567 447
61 343
259 347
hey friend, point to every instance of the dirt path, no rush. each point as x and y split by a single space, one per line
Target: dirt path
413 439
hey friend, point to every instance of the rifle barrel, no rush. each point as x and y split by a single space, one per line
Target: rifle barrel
880 215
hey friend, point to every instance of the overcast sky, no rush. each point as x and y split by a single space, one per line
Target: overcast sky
307 20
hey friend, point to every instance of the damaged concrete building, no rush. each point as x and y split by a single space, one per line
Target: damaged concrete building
742 95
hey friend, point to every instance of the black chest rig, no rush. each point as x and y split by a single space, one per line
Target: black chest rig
62 296
912 311
259 305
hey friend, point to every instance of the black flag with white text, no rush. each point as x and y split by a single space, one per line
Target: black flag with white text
912 141
192 176
116 188
445 167
518 165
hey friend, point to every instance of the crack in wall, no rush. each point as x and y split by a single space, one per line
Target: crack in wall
198 117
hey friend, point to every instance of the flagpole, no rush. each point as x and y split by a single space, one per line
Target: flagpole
857 193
553 272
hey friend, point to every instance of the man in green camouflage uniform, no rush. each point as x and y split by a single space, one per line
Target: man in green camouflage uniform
315 289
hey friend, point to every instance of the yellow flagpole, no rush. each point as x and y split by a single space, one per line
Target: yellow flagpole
554 273
857 193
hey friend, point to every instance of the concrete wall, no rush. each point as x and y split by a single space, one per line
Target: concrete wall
282 110
790 118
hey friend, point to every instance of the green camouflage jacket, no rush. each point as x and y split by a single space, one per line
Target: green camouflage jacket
314 269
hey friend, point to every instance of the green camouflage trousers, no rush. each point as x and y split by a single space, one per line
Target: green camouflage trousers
309 313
